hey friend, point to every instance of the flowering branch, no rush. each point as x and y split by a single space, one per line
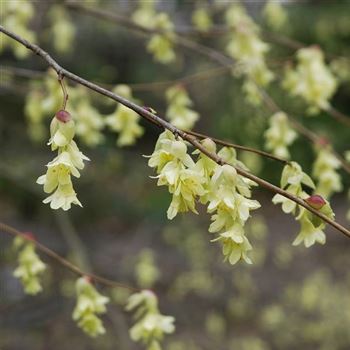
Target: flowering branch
11 230
155 119
218 57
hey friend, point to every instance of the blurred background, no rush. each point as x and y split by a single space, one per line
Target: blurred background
290 298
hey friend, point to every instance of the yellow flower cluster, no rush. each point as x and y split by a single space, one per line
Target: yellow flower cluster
90 304
279 135
151 325
292 180
226 193
311 79
179 110
311 226
30 266
275 15
124 120
246 47
62 29
176 169
201 19
68 162
160 44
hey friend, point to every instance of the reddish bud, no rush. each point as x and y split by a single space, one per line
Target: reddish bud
88 279
63 116
181 86
29 236
323 141
315 201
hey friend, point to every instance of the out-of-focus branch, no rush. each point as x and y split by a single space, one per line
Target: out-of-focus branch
240 147
12 231
157 120
157 85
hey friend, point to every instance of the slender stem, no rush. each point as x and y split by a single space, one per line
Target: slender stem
64 91
240 147
155 119
12 231
22 72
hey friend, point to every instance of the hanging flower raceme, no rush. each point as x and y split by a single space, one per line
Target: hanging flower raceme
311 79
292 180
145 13
246 47
275 15
279 135
176 169
30 266
226 193
62 30
151 325
311 226
230 203
90 304
124 120
161 45
68 162
325 172
201 19
179 110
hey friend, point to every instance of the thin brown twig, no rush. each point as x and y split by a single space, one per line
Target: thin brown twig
155 119
240 147
11 230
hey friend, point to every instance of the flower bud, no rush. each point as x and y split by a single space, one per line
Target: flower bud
209 145
315 201
29 236
63 116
